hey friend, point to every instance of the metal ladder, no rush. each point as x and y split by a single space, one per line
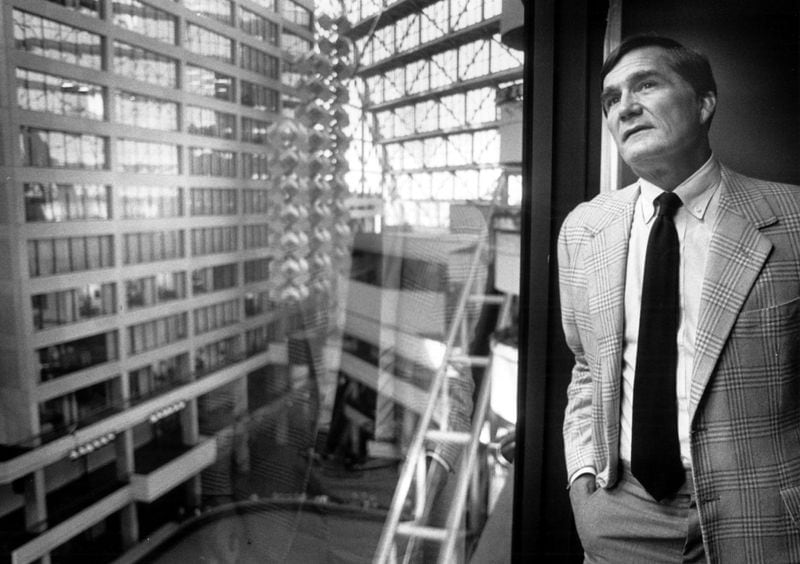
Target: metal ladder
414 468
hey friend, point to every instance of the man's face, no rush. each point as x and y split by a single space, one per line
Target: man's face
653 114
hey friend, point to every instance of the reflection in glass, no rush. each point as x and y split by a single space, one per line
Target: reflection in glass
66 202
144 111
219 10
209 83
212 123
147 158
60 149
145 65
43 92
258 26
57 41
204 42
145 19
149 202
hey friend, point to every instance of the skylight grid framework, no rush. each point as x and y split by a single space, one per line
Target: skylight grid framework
429 71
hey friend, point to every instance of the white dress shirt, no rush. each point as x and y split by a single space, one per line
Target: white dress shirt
694 221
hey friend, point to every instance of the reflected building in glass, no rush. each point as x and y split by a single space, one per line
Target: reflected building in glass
134 290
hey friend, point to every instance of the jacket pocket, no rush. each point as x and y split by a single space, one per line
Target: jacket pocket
791 499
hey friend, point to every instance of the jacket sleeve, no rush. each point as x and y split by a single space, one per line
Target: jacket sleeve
577 428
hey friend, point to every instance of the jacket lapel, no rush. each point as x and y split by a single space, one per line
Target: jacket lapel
737 253
607 260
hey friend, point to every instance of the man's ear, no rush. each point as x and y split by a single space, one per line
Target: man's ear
708 105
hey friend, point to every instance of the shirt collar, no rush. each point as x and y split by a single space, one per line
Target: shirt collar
696 192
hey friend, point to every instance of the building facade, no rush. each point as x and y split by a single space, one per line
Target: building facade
134 293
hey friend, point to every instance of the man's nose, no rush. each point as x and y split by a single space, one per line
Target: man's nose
629 105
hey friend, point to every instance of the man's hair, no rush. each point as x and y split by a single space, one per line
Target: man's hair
692 66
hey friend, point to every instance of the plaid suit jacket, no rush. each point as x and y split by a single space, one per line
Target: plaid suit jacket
745 394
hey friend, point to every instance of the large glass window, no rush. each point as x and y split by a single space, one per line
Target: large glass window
209 83
259 97
256 236
157 333
66 202
69 254
256 270
208 44
217 355
85 7
144 111
65 307
57 41
220 10
271 5
255 166
41 92
254 130
155 289
152 246
145 19
294 43
61 359
296 13
147 158
258 26
159 376
214 278
257 303
216 316
213 201
62 149
145 65
255 200
258 61
211 240
210 162
212 123
149 202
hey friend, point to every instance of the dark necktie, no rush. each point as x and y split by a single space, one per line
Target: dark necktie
655 448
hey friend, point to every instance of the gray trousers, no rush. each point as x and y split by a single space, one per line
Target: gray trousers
624 524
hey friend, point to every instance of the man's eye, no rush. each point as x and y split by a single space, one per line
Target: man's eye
610 102
646 85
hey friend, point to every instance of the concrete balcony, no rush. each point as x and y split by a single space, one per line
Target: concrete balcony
148 485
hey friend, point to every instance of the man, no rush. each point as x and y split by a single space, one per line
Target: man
682 429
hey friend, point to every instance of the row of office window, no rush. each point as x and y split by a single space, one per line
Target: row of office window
61 42
42 92
65 358
216 316
53 94
155 23
445 186
62 359
59 202
74 305
472 60
474 107
62 149
460 149
433 22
